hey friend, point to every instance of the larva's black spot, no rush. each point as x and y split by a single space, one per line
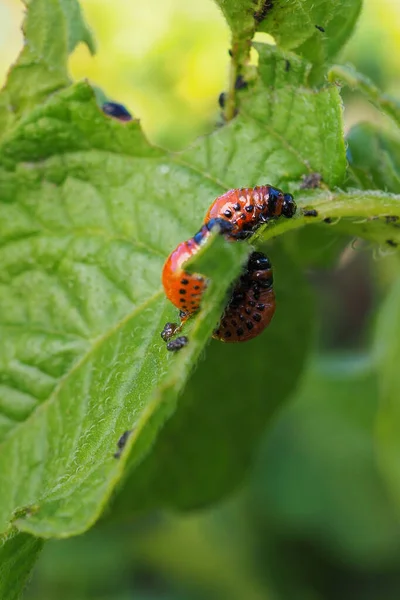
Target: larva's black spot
184 281
249 325
240 331
257 317
182 291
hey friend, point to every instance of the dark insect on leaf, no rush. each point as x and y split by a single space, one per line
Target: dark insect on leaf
122 442
117 111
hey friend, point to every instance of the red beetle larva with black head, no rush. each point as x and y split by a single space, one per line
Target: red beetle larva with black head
238 213
182 288
248 208
252 303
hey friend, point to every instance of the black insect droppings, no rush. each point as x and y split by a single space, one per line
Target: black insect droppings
240 83
177 344
122 442
168 331
261 13
320 28
310 213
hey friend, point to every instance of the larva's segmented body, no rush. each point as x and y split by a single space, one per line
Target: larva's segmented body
248 208
252 303
237 213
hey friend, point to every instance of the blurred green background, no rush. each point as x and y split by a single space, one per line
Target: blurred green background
314 519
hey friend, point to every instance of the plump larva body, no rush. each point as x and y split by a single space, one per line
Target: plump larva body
182 288
252 303
248 208
237 213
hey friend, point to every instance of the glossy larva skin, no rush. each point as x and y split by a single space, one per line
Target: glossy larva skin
251 305
248 208
237 213
182 288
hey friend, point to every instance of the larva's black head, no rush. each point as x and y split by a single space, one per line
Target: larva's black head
258 262
224 225
289 206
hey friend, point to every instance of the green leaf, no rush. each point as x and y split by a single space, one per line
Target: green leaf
206 448
92 354
52 29
284 130
18 553
347 75
77 29
374 158
293 23
316 476
89 211
387 349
